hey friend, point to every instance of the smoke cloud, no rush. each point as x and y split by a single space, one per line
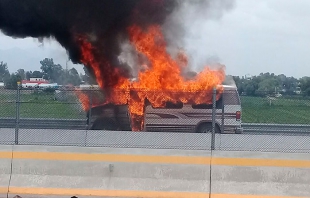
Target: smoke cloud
103 22
187 28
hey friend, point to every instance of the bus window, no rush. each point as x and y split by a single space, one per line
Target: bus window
219 104
171 105
231 97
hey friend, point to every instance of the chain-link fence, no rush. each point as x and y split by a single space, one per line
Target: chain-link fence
220 119
272 122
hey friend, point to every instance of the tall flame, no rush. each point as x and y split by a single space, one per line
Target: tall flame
159 82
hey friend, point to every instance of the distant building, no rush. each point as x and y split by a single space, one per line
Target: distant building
89 86
37 79
33 82
248 77
1 85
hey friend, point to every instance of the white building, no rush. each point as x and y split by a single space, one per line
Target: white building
37 79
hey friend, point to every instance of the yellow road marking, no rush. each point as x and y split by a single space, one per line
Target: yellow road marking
3 190
112 157
195 160
127 193
5 154
106 193
249 196
260 162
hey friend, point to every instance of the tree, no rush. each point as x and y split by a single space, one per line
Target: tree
21 73
88 78
51 71
267 86
11 83
71 77
81 77
305 85
250 89
4 72
28 75
239 83
74 77
36 74
288 84
266 83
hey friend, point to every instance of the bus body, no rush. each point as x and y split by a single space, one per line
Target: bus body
177 117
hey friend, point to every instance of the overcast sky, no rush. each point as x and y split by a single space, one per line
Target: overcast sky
255 36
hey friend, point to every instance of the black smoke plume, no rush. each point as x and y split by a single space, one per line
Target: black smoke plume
104 22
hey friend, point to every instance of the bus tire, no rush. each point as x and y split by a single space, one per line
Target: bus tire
207 128
104 124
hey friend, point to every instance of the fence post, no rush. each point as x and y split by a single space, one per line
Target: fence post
90 106
213 118
17 112
223 110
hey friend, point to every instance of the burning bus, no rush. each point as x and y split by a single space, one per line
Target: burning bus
162 97
169 116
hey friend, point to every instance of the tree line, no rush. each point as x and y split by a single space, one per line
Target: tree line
271 84
260 85
49 70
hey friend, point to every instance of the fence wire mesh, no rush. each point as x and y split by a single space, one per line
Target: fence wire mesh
7 103
74 117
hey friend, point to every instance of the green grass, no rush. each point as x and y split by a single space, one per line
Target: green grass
40 106
280 111
254 109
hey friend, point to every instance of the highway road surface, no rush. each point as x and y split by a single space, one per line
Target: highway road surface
191 141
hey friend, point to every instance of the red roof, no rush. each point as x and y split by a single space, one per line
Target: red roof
33 81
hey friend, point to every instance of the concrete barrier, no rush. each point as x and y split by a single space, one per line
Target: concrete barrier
260 174
5 169
47 171
109 172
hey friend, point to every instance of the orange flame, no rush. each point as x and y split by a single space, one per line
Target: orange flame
159 82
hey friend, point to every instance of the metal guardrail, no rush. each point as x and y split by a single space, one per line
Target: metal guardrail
80 124
275 128
43 123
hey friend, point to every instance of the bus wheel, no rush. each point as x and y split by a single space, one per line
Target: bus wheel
207 128
104 125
